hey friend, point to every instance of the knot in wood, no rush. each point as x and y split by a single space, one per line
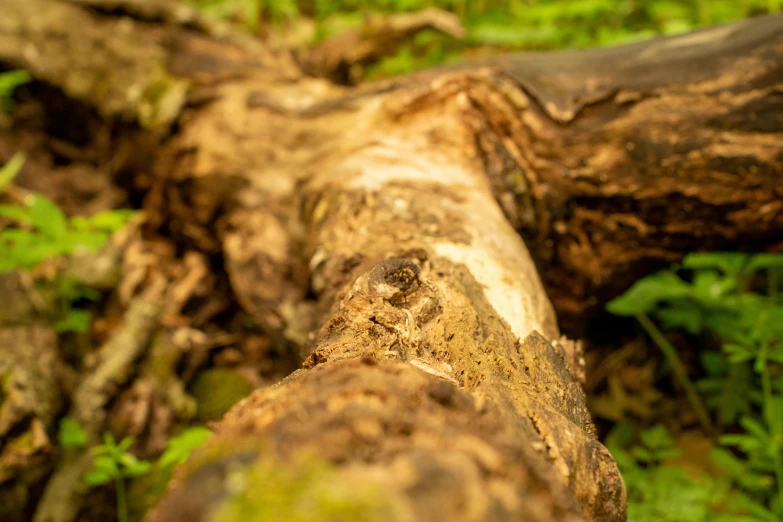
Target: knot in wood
395 279
404 278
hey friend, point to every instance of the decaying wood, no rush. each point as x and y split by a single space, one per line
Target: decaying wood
384 422
630 157
30 397
435 367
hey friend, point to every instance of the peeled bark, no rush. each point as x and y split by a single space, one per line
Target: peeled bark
435 368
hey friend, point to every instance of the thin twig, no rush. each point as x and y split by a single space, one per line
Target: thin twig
670 353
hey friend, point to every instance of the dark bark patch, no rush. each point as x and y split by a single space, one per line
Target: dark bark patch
744 165
442 392
763 114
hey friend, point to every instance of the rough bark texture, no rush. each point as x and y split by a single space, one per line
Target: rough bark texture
631 157
434 364
29 400
437 450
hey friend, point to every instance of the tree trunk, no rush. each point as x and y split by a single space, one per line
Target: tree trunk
380 229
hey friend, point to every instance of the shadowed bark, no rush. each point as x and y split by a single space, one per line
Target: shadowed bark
376 229
630 157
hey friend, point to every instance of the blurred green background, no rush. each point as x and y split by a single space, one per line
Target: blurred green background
495 24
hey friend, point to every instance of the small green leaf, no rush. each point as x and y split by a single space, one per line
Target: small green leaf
643 454
647 293
737 353
140 468
76 321
772 326
682 314
764 261
774 414
739 470
744 442
755 428
180 447
113 462
730 263
129 460
109 220
54 234
46 216
106 464
71 435
9 81
124 444
90 240
109 441
96 478
100 450
709 287
11 169
83 292
657 437
714 363
21 214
